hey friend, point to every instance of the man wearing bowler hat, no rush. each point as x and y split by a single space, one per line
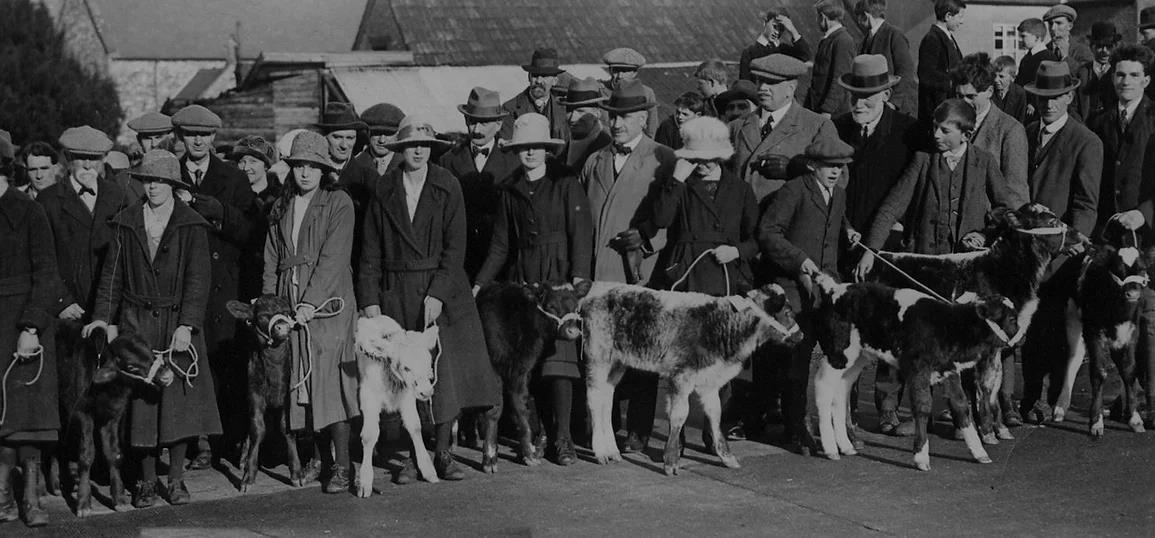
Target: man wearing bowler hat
619 178
543 70
1096 78
1060 21
581 102
79 208
479 165
766 141
623 64
219 192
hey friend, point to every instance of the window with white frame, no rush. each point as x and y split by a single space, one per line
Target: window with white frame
1006 42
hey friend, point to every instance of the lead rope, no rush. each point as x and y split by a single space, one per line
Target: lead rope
16 359
926 288
725 272
436 359
194 368
318 313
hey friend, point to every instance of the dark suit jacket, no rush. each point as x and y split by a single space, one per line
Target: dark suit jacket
797 130
1124 186
522 104
1094 94
922 194
1014 103
890 42
579 150
1077 54
831 61
366 161
82 238
1029 65
938 53
799 224
798 49
1065 174
669 134
878 161
358 178
480 191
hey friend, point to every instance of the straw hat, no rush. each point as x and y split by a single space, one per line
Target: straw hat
310 147
160 165
705 138
531 129
868 74
415 131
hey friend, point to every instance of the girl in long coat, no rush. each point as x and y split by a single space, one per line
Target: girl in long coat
307 259
28 281
543 233
706 208
156 285
412 270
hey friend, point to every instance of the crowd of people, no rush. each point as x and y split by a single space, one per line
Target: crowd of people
376 214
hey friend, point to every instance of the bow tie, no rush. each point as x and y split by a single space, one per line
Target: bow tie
480 151
622 149
85 190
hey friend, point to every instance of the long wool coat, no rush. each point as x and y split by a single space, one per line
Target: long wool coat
799 224
1126 182
403 261
151 298
317 269
878 161
923 195
28 287
698 221
938 53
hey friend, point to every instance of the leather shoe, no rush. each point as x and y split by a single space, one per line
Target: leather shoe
204 460
338 481
635 443
311 472
564 452
888 422
35 516
145 494
904 429
407 474
447 467
178 493
1012 418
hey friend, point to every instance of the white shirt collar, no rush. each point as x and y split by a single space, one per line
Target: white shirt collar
415 178
981 116
765 41
76 185
872 125
958 153
158 214
633 144
1039 47
942 27
535 174
777 114
193 166
833 27
1130 109
1052 128
489 145
875 24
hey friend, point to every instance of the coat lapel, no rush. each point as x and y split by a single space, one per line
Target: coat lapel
789 125
749 135
697 189
816 197
393 198
72 204
106 206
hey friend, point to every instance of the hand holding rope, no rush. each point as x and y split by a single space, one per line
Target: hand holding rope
725 272
17 358
318 313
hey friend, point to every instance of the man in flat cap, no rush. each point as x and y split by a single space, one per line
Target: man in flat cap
151 129
581 102
619 178
778 36
219 192
479 165
623 64
1060 20
766 141
542 71
79 208
382 121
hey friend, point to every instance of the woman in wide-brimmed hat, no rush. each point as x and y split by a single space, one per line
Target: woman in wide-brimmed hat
543 235
157 286
308 252
413 270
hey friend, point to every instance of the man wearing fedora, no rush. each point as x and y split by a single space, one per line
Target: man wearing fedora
778 36
623 64
543 70
1096 79
938 53
581 102
889 41
480 165
883 138
619 179
1065 158
341 125
995 132
766 141
220 193
1147 27
1060 19
832 60
738 101
78 209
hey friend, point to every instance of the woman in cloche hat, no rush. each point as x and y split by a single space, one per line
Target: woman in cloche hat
156 286
308 252
413 270
543 235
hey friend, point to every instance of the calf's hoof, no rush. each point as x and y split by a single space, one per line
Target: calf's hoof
364 491
983 459
833 455
532 460
1137 426
731 461
670 469
1059 415
989 438
609 457
922 466
1097 429
84 512
1004 434
489 464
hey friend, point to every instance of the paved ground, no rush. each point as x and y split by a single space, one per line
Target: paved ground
1050 481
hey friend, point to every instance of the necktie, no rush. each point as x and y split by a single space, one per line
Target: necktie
622 149
768 127
865 132
86 190
1124 119
952 161
480 151
199 174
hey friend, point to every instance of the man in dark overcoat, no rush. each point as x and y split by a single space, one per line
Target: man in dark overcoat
889 41
219 192
479 166
542 71
1096 78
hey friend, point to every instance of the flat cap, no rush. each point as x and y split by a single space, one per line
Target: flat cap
196 118
85 140
151 123
117 160
830 150
1061 10
777 68
383 118
624 57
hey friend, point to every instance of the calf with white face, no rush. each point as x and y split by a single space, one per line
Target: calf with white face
397 371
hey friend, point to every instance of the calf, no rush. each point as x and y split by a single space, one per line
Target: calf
112 372
519 322
1022 244
1105 317
696 341
930 342
397 370
270 322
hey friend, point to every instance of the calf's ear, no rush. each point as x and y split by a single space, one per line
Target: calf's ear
240 310
582 288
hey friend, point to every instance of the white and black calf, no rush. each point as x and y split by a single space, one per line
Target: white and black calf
929 341
696 341
520 321
397 370
269 320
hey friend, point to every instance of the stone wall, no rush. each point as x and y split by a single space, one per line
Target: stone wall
144 85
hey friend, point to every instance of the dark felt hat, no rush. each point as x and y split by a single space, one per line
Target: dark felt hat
583 92
629 97
160 165
739 89
340 117
1052 79
483 105
1147 18
544 62
1103 32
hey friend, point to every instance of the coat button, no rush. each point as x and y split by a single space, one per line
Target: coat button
156 271
216 255
156 313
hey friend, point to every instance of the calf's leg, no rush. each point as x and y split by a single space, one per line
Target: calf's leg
523 414
1125 363
110 440
1076 344
679 405
960 408
489 424
712 408
1097 352
296 474
921 405
600 381
827 383
253 442
87 455
412 422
